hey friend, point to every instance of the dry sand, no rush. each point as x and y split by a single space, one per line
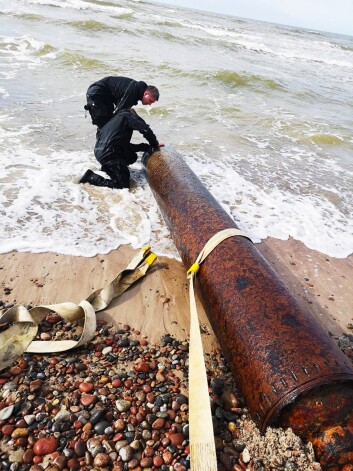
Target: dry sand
158 304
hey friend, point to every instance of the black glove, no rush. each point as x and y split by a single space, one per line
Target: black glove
143 147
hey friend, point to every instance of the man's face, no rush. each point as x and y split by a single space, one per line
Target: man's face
148 99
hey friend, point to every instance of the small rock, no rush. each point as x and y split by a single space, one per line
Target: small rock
88 399
100 427
122 405
19 433
107 350
62 415
86 387
147 462
45 446
176 438
158 424
126 453
142 367
246 456
230 400
101 460
29 419
6 412
80 448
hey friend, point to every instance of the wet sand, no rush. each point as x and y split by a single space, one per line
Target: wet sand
321 282
158 303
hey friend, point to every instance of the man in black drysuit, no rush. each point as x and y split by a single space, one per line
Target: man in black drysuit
110 94
114 151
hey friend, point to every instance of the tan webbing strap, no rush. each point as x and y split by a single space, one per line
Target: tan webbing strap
202 445
18 337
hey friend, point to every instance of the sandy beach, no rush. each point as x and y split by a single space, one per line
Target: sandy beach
157 306
321 282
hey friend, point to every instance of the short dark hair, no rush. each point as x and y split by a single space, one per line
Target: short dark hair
153 91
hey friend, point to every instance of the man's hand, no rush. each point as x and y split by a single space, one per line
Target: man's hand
154 149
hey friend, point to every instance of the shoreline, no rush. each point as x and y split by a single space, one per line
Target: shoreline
320 282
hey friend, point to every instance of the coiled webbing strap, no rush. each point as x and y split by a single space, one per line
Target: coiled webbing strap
18 337
202 445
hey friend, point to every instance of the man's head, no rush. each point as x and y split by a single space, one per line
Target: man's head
150 95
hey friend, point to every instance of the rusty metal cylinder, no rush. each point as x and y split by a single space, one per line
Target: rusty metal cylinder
289 370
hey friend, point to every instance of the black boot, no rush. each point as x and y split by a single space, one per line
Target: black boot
97 180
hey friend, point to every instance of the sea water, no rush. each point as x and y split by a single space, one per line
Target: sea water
262 113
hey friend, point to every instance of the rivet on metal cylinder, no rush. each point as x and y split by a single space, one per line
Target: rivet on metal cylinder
290 371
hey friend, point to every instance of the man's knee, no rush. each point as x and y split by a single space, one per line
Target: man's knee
118 172
130 157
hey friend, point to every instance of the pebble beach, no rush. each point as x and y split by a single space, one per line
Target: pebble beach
120 402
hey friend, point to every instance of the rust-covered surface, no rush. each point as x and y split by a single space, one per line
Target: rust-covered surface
282 359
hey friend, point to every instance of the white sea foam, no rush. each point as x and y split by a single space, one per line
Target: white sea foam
82 5
4 93
292 48
275 157
22 49
46 210
278 213
43 208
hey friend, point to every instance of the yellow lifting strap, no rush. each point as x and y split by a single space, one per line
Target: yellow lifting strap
202 445
18 338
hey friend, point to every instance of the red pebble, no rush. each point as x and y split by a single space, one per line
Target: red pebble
73 464
22 363
101 321
179 467
7 429
167 457
35 385
45 446
53 318
116 383
28 456
158 424
86 387
158 461
142 367
133 421
88 399
15 370
37 459
176 438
